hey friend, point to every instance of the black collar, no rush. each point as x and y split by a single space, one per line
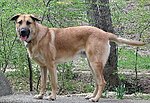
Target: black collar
28 41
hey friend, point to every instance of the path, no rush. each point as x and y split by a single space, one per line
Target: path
21 98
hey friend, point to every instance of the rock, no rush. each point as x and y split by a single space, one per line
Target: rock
5 88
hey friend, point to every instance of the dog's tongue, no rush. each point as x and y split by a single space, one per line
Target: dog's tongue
23 38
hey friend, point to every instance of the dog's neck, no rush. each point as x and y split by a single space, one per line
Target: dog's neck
31 42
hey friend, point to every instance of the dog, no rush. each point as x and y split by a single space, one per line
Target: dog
50 46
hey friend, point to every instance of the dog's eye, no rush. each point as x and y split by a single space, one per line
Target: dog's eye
19 22
28 23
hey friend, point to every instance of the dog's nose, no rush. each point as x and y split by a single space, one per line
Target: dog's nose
24 32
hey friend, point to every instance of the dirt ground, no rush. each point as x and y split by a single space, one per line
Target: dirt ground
23 98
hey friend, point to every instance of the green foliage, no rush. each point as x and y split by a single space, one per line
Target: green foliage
120 91
88 88
122 77
127 60
65 13
65 70
131 17
65 76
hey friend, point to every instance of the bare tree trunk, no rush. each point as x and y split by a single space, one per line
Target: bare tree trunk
100 16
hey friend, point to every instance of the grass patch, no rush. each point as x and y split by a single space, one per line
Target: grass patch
127 59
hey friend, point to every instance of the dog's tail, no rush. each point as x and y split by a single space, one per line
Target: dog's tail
114 38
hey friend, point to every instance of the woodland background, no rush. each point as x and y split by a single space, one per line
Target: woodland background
130 19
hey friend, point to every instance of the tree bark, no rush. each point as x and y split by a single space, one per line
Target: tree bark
100 16
30 73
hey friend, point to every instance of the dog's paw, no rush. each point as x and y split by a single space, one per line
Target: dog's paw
51 97
93 100
39 96
89 97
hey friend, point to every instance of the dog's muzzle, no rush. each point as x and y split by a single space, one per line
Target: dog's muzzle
24 34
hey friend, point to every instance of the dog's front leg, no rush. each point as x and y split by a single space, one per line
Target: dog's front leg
43 82
53 76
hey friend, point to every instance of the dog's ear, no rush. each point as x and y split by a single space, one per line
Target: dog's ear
15 17
34 18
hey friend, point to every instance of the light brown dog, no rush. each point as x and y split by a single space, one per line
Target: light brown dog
49 46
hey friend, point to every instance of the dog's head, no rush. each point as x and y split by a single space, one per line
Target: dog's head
25 26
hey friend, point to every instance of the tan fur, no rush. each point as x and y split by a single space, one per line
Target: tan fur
50 46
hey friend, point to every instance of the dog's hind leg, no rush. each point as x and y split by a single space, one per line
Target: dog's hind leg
93 94
96 85
43 83
97 54
100 81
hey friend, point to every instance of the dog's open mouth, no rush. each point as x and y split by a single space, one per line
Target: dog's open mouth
23 38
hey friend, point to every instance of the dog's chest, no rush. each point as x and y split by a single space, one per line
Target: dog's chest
36 56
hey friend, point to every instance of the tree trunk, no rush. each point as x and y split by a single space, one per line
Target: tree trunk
100 16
